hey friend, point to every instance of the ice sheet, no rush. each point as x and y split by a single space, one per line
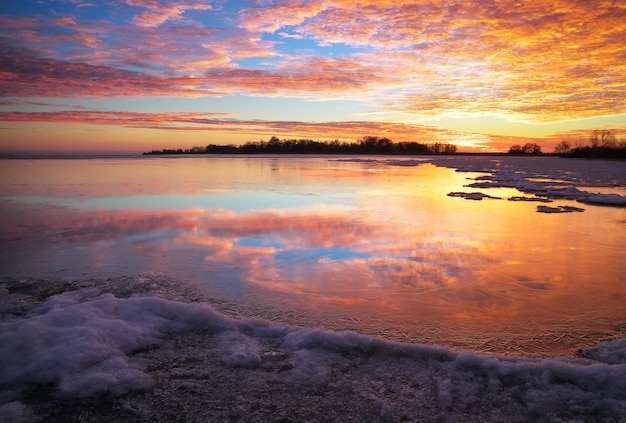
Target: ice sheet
544 176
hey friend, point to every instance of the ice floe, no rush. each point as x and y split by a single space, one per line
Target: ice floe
545 189
559 209
472 195
534 180
605 199
530 199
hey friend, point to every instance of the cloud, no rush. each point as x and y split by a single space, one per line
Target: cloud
535 62
18 22
185 49
157 13
294 36
134 119
279 15
313 77
221 122
540 61
6 103
65 21
24 76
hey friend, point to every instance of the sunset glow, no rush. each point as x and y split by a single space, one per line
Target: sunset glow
372 239
136 75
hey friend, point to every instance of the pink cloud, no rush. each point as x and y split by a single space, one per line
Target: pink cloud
65 21
537 61
135 119
18 22
24 76
158 13
314 75
8 103
185 50
280 15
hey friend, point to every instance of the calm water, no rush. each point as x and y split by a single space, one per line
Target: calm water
359 245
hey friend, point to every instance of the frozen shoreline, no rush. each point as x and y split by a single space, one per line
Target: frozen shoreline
546 178
141 349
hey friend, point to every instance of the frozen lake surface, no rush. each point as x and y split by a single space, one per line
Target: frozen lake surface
130 281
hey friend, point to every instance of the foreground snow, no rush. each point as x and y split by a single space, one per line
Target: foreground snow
118 351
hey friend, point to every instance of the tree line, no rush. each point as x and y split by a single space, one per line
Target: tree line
364 145
528 148
602 144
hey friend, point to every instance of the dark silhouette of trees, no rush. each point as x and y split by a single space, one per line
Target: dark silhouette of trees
197 150
364 145
221 149
528 148
603 138
441 148
374 145
603 144
532 148
562 148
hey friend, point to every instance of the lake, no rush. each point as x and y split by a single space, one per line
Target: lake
373 244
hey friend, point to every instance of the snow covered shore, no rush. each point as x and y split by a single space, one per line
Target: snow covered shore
149 349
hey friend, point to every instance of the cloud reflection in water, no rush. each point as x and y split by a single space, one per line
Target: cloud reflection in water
344 240
323 251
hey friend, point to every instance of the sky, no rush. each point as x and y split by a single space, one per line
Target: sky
136 75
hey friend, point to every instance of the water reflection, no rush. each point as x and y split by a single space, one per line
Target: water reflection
342 240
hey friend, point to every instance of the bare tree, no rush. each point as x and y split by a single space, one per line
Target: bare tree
603 138
562 147
532 148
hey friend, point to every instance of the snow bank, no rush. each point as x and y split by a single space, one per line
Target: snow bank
81 344
85 344
611 352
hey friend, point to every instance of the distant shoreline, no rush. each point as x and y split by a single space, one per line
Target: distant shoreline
81 156
85 156
360 155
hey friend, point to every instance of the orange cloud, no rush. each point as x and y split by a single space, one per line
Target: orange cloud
533 62
538 62
220 122
541 61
